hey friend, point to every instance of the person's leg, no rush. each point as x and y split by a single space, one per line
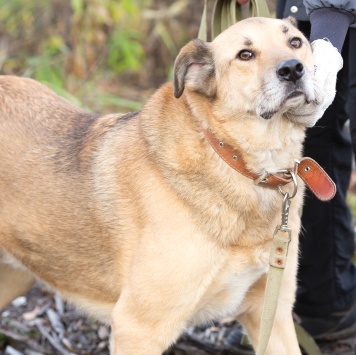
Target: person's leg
352 86
327 275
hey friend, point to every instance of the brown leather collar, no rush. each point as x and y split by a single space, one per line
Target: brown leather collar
307 169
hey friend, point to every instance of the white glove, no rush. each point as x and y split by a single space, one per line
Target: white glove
327 63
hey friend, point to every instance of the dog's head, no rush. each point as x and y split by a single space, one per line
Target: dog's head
258 66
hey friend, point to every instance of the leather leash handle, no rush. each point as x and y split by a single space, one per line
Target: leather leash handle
226 13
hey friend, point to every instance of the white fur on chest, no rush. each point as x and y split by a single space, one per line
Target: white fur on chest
225 297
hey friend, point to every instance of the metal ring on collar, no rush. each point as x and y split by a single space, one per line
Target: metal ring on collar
295 185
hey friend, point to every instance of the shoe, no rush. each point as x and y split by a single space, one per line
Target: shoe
338 325
237 340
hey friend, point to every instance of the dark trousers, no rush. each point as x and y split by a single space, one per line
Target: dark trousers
352 86
327 275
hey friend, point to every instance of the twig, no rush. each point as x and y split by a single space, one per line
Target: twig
191 345
54 342
23 339
13 335
11 351
56 323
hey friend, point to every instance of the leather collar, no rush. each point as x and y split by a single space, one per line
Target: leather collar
313 175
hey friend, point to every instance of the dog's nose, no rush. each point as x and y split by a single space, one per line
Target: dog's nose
290 70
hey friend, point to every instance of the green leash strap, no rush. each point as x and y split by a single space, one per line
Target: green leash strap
306 341
203 30
226 13
277 261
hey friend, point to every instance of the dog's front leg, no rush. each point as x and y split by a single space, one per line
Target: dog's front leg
140 328
283 339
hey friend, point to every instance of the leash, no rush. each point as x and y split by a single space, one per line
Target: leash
277 261
318 182
226 13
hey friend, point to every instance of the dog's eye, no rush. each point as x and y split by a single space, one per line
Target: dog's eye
296 42
245 55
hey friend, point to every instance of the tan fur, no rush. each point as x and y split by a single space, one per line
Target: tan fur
135 218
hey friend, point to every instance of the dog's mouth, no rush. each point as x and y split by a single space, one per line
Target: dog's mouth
294 94
267 115
280 98
294 98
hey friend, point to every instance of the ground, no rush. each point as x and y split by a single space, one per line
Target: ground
41 323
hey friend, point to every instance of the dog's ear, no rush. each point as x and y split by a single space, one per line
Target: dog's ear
194 69
292 20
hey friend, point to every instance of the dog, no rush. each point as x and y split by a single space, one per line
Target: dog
135 218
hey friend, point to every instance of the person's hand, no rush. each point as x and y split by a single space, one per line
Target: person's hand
327 63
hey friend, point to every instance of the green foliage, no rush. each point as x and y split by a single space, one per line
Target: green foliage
73 45
3 340
351 200
125 51
65 42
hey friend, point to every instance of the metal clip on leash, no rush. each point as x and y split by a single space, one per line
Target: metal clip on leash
285 211
277 261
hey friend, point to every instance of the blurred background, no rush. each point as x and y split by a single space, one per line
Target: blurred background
105 55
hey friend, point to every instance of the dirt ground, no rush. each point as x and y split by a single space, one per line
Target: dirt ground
41 323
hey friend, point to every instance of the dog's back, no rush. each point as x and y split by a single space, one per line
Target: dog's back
47 186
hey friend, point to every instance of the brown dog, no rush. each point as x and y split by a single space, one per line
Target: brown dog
135 218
